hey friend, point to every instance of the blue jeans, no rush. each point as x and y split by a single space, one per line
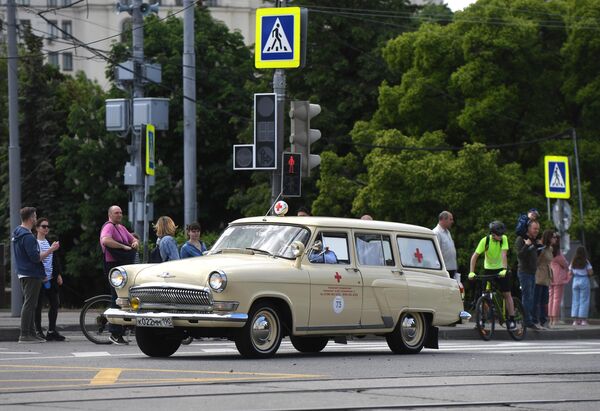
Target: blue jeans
581 297
527 282
540 303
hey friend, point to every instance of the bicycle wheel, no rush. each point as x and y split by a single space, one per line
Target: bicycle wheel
484 318
520 331
92 321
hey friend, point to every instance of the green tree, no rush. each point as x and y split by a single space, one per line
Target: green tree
223 69
343 71
92 162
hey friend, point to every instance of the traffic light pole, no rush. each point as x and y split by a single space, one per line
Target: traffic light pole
14 150
279 90
137 190
190 205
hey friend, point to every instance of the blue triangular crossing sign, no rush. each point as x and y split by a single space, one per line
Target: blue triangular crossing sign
557 180
278 41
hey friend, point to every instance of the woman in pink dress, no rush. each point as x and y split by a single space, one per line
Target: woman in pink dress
561 277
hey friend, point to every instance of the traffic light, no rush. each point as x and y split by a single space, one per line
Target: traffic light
291 181
302 135
265 130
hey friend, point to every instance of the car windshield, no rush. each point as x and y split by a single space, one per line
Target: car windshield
274 239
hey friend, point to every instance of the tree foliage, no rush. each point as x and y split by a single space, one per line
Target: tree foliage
503 74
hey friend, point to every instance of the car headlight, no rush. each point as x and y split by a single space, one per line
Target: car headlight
217 280
118 277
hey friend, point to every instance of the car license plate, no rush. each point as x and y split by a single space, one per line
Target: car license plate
164 322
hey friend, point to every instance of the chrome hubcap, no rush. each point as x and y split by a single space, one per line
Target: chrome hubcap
411 330
264 330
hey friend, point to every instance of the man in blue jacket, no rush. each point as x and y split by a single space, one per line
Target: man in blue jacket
27 259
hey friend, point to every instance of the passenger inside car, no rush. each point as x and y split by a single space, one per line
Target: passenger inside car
320 254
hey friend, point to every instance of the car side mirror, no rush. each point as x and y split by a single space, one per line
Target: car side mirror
298 252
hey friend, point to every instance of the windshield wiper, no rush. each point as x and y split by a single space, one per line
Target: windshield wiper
260 251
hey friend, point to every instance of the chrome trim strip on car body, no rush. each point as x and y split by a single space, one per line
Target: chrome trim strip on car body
182 307
343 327
228 317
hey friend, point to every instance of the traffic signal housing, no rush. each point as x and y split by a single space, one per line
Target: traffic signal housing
291 176
265 131
302 136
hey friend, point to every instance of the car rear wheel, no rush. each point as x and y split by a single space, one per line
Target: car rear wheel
409 335
309 344
157 342
261 336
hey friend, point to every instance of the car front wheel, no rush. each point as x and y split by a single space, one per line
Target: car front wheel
156 342
409 335
261 336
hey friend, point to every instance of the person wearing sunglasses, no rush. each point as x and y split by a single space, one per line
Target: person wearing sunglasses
50 285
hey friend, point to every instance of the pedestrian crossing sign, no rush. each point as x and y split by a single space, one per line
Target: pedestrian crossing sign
277 37
556 172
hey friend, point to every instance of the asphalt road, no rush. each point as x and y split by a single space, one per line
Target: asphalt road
364 374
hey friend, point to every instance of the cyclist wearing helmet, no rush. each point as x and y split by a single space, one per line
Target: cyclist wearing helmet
495 248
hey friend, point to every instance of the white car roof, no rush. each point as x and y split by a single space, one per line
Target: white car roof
336 222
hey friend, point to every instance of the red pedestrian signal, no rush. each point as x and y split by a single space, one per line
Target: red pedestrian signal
291 176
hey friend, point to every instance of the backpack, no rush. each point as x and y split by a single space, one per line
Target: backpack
155 257
521 227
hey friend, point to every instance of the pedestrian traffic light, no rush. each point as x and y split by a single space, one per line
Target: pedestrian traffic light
265 131
291 181
302 136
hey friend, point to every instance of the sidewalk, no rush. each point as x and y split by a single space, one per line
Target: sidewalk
68 320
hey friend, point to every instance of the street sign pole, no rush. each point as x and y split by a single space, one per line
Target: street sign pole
578 186
279 90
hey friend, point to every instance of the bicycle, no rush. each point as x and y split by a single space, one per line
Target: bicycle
92 320
94 323
491 307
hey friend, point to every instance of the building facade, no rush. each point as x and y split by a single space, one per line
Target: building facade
97 24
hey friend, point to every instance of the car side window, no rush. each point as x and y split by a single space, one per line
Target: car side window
418 253
374 249
331 248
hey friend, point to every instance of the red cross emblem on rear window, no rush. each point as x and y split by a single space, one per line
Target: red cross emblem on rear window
419 256
337 276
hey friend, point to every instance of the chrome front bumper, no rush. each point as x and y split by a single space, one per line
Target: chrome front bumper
117 316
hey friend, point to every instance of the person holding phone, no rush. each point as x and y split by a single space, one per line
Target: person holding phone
50 285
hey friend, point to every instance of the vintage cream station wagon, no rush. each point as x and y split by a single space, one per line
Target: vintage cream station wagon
313 279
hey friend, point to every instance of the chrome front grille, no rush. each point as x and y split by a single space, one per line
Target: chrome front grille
172 298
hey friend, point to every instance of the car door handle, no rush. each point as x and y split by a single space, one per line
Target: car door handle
399 272
352 269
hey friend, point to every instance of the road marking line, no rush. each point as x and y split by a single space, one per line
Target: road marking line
20 353
219 350
106 376
91 354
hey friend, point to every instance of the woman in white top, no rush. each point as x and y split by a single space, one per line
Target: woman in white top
50 285
581 269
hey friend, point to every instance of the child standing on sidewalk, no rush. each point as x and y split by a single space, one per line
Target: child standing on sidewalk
581 269
560 277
